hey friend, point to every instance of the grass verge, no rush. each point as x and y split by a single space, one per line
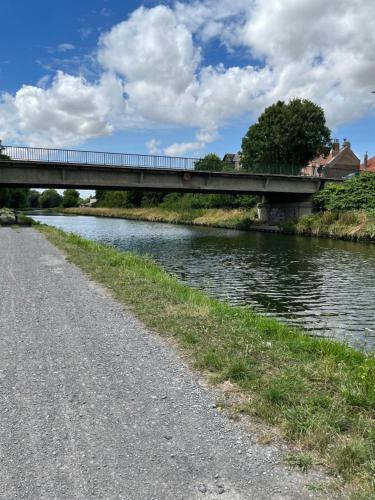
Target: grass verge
319 394
216 217
350 225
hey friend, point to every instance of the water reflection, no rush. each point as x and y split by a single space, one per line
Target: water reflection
325 286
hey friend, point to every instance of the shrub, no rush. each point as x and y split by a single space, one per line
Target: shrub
355 193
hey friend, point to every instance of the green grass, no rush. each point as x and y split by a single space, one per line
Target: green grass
351 225
317 393
234 218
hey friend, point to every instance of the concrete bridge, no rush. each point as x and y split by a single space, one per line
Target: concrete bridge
283 196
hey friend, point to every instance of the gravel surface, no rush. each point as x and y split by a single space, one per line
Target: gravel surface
92 405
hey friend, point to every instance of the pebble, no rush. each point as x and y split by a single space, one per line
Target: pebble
202 488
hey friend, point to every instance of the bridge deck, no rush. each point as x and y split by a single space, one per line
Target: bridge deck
54 168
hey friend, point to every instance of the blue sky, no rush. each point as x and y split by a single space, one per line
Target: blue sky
180 78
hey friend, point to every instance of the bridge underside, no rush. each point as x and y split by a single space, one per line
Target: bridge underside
285 196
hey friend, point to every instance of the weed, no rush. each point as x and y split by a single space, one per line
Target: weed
302 460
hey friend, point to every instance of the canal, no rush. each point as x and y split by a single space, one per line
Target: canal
325 286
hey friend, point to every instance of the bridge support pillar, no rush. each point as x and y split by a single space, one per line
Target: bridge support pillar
276 209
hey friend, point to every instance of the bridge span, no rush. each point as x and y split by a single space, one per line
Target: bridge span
284 195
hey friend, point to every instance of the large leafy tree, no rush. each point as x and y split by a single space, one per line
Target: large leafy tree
70 198
50 198
286 134
33 198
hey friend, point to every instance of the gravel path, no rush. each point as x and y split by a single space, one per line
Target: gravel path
92 405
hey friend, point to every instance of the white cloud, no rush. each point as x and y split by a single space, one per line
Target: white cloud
153 147
64 47
180 149
153 71
154 52
68 112
319 50
151 46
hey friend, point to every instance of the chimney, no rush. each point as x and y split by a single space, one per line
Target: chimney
335 147
365 161
346 144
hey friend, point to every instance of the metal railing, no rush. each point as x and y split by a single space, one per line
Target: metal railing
276 169
72 156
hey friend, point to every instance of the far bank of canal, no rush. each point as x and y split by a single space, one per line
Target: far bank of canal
324 286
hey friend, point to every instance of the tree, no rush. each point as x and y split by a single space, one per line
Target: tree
33 199
210 162
286 134
50 198
70 198
13 197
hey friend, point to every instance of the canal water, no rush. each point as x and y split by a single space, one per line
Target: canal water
325 286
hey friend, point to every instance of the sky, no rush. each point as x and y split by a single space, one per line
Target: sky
180 78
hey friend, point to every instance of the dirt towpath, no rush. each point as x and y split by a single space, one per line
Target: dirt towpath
92 405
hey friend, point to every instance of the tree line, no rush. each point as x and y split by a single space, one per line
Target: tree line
30 198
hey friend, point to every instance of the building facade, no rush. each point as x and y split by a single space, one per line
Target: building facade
340 162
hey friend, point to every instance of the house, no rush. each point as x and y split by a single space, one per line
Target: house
368 164
339 162
233 159
90 203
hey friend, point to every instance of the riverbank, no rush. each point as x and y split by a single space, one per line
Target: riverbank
317 393
213 217
354 225
357 225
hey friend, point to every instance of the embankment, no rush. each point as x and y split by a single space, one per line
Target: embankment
228 218
357 225
317 393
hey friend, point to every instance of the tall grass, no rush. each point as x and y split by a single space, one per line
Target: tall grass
318 393
234 218
352 225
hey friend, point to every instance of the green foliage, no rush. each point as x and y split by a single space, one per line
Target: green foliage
3 156
70 198
50 198
119 199
172 201
210 162
7 216
178 201
152 199
302 460
286 134
23 220
13 197
350 224
33 198
355 193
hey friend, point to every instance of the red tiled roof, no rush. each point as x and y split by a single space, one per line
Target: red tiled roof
370 165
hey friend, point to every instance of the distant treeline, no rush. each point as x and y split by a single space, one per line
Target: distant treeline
176 201
30 198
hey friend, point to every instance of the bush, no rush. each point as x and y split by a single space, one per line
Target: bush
212 163
355 193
